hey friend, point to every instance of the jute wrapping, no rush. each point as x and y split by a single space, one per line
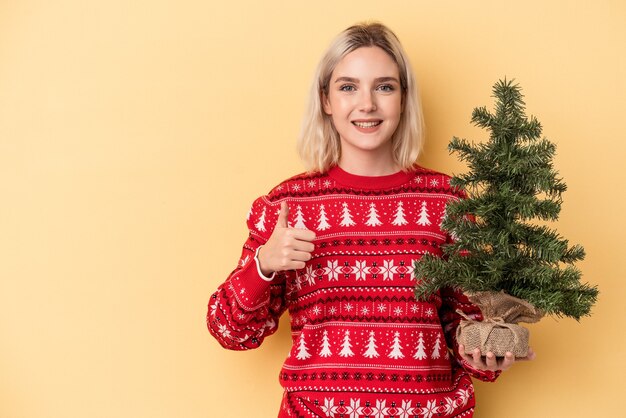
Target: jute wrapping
498 332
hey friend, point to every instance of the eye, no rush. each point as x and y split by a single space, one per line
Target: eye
347 87
386 87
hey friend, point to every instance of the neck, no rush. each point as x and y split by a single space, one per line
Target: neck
367 164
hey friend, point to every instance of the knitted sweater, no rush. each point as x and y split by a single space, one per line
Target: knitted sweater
363 346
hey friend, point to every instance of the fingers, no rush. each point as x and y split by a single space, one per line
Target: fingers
283 215
300 255
489 361
283 222
301 234
287 248
304 246
508 361
476 356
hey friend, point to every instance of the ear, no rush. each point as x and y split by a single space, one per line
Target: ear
326 104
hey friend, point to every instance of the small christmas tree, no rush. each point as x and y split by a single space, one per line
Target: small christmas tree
420 354
299 218
303 351
436 353
498 248
372 219
371 351
399 216
346 346
346 217
396 348
323 220
325 352
423 220
260 225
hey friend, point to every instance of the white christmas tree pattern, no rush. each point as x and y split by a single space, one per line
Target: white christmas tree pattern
372 219
244 260
325 351
303 352
346 347
420 354
396 348
260 225
443 218
323 220
399 218
371 347
346 216
423 219
436 349
299 218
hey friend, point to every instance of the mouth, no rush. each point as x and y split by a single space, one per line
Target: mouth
367 124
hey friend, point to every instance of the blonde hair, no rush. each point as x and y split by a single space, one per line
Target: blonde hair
319 145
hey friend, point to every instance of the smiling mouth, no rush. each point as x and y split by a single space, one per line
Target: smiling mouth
367 124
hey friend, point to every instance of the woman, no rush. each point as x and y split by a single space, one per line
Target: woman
335 246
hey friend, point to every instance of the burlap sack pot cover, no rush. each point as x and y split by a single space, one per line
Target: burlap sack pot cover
498 332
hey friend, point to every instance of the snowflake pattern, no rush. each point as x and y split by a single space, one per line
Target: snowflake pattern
380 408
223 330
383 259
360 271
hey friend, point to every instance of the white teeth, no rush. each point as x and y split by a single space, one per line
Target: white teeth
367 124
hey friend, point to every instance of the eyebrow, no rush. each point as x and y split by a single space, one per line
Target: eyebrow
356 80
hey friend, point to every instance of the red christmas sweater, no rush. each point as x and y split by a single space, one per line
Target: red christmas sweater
363 346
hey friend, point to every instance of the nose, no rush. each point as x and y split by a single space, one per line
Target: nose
367 101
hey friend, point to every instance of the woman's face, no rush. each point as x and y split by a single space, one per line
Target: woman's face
365 100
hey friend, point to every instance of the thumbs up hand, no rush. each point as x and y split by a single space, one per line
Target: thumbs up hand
287 248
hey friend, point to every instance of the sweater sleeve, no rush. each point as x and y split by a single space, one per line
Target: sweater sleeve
451 301
247 306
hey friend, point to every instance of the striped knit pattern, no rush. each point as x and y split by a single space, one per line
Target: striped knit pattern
363 346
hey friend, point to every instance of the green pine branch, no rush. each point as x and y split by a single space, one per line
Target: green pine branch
511 182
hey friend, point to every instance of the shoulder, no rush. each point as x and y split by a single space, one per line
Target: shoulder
264 211
300 185
432 181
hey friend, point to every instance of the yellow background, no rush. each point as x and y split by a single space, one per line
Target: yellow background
135 134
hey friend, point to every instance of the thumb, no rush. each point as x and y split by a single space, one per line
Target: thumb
283 215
